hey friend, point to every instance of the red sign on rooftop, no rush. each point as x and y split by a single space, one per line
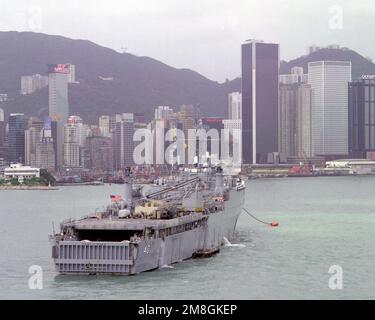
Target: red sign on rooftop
59 68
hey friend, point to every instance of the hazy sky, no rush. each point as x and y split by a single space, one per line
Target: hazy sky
203 35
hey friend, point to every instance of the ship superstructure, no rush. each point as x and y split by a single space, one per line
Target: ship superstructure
163 227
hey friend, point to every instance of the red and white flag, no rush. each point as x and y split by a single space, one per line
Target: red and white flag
115 197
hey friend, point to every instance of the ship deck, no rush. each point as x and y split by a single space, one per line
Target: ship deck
115 223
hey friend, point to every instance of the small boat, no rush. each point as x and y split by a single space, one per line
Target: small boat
206 253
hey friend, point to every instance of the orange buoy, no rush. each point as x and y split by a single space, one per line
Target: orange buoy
274 224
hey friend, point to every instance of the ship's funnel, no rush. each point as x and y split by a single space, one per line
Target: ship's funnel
219 185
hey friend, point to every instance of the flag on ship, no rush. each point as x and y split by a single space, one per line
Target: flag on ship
115 197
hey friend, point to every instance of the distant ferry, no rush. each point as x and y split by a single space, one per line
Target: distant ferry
189 219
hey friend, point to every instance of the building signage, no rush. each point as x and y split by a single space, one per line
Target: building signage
368 76
59 68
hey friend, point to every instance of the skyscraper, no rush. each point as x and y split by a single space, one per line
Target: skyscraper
288 106
329 82
71 149
32 137
3 152
105 125
17 126
29 84
296 76
295 120
234 106
303 128
72 73
260 96
58 104
1 115
123 140
217 125
2 128
163 113
99 154
75 133
362 116
187 117
44 151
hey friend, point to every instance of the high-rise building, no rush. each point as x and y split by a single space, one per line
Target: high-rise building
304 102
104 125
2 134
288 106
75 134
107 125
234 106
44 151
362 116
82 130
17 126
329 82
72 73
209 123
3 152
58 104
30 84
32 137
123 140
295 120
187 117
235 131
139 117
3 97
260 96
296 76
163 113
99 154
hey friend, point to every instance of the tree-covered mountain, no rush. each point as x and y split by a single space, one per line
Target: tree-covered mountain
139 83
360 64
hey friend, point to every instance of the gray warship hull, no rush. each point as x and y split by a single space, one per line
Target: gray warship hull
128 257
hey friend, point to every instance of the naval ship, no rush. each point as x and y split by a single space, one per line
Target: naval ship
191 218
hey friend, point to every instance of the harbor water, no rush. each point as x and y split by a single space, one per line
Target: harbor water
323 222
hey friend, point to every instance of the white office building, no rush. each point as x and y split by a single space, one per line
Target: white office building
75 134
163 113
235 106
72 73
20 172
30 84
329 83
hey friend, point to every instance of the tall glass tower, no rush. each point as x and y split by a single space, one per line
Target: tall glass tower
329 83
17 126
58 104
260 98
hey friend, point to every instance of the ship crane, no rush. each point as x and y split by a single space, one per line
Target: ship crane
156 194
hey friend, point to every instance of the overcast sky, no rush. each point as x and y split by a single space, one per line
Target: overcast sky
203 35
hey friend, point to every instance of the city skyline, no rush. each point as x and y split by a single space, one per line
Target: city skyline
274 128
